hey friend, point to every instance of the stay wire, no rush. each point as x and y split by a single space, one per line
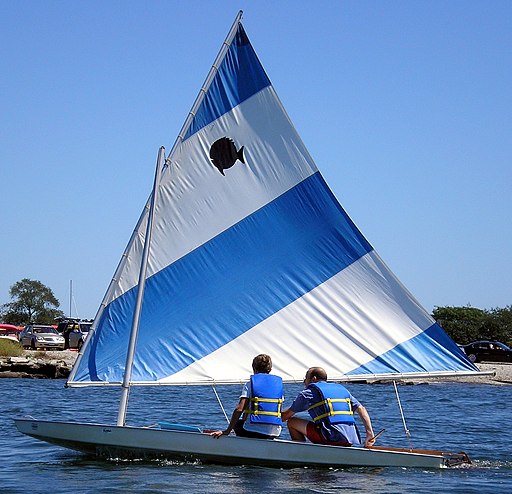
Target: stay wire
407 432
220 403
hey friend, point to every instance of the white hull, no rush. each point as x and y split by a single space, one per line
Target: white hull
139 442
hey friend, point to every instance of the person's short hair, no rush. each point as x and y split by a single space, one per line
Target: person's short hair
262 364
317 372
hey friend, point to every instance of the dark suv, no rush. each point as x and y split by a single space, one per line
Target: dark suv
74 331
488 351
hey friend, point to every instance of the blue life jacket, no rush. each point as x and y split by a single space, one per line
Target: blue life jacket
266 399
331 404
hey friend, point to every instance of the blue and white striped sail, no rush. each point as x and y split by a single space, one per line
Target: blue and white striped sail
252 253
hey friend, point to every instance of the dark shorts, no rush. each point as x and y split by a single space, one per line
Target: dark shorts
314 435
240 431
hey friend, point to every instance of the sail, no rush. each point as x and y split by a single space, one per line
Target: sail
252 253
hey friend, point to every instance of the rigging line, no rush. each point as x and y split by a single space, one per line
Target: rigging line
220 402
407 433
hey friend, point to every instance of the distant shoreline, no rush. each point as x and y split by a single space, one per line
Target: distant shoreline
503 374
57 365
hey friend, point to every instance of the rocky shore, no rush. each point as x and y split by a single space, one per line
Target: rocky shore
38 364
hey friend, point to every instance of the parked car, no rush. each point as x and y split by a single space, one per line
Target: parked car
488 351
39 336
74 331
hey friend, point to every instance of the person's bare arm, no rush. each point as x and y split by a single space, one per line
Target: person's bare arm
365 418
235 416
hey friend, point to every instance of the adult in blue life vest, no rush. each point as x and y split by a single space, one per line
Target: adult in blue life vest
332 409
258 413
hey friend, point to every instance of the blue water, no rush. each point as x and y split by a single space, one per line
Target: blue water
452 416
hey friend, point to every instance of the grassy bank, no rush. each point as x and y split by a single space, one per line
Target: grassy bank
9 348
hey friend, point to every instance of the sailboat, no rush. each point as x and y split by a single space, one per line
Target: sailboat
243 249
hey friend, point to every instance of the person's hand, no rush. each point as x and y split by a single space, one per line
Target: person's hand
217 434
370 441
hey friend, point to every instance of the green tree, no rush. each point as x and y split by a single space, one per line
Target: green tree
498 325
463 324
466 324
31 302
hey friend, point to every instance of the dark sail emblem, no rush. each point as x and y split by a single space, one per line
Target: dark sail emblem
223 154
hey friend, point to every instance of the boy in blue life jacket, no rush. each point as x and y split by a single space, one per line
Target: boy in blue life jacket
258 413
331 408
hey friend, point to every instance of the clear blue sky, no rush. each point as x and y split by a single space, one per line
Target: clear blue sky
406 107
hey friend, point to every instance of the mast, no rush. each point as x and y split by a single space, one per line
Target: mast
121 418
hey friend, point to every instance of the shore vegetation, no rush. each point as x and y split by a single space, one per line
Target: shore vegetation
467 324
9 348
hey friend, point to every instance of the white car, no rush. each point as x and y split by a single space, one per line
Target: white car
37 336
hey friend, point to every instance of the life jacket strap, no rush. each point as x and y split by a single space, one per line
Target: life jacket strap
330 409
254 407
